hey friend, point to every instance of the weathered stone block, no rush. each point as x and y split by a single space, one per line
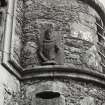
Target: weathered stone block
87 101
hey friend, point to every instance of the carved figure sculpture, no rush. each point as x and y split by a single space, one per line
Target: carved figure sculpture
49 48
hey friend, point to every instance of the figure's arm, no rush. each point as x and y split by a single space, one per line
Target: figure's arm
42 56
57 48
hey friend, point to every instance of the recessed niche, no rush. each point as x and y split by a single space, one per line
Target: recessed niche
48 95
3 3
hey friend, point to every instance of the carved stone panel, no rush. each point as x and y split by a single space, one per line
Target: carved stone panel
73 34
46 32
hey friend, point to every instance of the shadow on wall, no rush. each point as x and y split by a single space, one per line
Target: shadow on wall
3 3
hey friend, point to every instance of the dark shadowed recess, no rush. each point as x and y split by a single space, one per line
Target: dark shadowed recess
3 3
48 95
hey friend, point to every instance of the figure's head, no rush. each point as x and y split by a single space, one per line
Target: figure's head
48 32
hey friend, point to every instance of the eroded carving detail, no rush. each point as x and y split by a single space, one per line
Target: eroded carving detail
49 48
71 20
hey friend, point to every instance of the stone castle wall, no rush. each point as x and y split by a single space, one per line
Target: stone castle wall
9 86
74 23
71 92
75 28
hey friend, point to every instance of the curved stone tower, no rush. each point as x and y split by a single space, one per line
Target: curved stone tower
56 48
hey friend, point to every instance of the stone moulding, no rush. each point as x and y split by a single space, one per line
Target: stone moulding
8 34
46 71
64 72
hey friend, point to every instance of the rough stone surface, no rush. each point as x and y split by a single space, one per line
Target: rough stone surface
9 84
72 92
87 101
17 31
9 87
74 23
75 28
103 104
2 24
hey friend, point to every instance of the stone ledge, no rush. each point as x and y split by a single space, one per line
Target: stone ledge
59 71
